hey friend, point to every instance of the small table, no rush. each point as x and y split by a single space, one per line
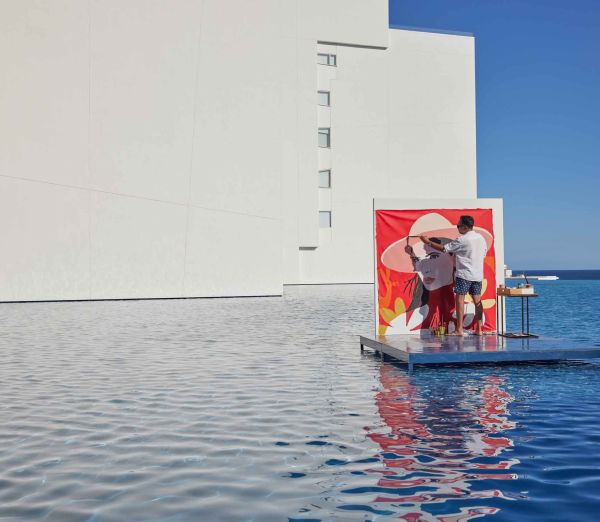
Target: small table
500 311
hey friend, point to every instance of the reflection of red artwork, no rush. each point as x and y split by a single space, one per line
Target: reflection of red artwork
417 425
415 295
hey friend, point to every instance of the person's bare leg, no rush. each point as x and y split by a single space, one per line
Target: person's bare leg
460 314
478 314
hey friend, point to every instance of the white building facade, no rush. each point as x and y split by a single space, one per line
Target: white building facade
196 148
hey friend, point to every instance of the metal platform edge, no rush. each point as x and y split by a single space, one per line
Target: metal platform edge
411 359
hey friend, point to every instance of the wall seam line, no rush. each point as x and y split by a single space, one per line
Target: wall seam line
141 198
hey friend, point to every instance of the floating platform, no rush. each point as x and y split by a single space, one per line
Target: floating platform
429 349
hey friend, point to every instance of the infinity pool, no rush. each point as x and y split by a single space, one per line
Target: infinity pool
265 410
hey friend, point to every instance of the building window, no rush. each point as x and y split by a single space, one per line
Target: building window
324 98
325 179
327 59
325 137
325 219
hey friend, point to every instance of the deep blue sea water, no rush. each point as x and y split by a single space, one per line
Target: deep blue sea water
568 275
567 308
265 410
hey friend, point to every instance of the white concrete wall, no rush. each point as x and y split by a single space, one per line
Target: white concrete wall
403 125
350 22
168 148
140 147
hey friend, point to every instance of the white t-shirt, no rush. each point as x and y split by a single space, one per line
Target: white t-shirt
469 250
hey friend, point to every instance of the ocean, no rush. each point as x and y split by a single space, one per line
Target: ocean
568 308
568 275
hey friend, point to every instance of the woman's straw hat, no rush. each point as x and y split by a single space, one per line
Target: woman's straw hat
430 225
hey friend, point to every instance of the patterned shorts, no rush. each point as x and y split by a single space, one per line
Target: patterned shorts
464 287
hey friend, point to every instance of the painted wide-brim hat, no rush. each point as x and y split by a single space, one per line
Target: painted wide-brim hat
431 225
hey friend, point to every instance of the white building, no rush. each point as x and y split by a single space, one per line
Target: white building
176 148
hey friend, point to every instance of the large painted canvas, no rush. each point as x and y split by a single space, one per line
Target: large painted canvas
417 295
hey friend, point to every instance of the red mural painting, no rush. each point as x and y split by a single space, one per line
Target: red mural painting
417 294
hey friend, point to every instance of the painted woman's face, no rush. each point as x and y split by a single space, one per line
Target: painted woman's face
435 268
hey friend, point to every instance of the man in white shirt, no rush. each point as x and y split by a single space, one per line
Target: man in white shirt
469 250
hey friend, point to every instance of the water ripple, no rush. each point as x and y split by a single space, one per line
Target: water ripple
265 410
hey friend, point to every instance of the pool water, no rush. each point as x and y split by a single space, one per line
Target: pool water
264 409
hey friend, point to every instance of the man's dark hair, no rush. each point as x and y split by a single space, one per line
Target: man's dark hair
467 221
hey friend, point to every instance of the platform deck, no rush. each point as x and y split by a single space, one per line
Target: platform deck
429 349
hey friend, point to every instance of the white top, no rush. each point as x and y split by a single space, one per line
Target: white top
469 250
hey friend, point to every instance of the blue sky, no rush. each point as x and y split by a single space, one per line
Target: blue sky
538 119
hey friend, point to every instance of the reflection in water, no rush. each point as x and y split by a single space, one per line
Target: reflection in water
440 446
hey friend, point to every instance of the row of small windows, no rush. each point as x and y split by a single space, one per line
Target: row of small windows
324 100
327 59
